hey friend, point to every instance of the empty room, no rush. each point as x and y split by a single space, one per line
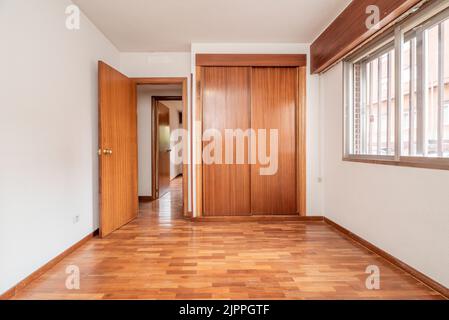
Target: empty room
208 150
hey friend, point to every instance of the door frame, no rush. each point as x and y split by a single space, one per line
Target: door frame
167 81
299 61
155 141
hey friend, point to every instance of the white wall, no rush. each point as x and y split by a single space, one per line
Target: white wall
314 187
155 64
404 211
48 133
144 141
175 107
144 135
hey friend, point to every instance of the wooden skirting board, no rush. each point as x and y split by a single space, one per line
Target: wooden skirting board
22 284
394 261
146 198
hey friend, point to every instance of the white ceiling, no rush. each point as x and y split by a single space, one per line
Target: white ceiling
171 25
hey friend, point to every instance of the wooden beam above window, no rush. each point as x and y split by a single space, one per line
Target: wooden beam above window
349 30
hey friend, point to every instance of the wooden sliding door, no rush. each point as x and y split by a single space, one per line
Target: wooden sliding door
262 96
226 105
273 107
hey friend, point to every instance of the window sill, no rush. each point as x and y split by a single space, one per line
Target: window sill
414 162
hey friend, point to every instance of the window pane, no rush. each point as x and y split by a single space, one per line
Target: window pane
432 91
392 106
409 86
384 92
436 90
446 90
386 103
373 106
406 76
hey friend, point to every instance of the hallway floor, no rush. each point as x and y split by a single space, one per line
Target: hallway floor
160 255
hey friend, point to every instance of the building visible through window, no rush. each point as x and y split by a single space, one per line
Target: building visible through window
372 81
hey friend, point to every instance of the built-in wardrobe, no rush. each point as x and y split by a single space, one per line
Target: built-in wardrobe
252 92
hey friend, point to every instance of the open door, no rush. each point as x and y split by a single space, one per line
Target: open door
163 123
118 149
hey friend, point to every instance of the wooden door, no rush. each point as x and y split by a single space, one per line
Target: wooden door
273 106
226 105
163 165
118 149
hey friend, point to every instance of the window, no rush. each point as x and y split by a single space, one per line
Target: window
413 129
373 112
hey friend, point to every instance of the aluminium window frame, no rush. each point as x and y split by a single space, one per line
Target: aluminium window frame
411 28
369 54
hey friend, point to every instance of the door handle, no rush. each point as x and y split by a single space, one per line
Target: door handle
107 152
168 150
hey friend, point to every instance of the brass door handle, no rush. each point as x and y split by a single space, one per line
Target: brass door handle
107 152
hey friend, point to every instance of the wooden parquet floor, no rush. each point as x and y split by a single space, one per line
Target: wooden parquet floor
160 255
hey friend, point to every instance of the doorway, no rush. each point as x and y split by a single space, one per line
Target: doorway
118 151
162 175
167 116
161 112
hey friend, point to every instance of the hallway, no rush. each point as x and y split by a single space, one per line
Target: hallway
160 255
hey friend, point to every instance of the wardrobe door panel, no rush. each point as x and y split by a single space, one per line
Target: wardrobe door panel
273 106
226 105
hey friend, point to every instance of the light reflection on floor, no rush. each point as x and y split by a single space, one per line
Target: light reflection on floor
166 208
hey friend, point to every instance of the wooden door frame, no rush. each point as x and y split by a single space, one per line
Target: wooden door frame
256 60
167 81
155 141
